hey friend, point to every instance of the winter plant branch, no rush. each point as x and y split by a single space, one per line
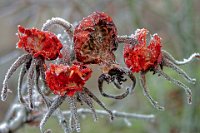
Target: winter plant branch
12 124
92 41
115 113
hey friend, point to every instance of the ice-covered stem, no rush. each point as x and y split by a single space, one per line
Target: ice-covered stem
17 117
180 71
22 73
118 114
61 22
40 91
126 39
10 72
146 92
55 104
177 82
184 61
88 100
69 29
30 82
74 115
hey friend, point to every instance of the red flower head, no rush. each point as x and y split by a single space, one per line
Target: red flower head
95 39
39 43
63 79
141 57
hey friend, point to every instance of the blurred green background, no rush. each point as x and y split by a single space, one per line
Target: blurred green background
176 21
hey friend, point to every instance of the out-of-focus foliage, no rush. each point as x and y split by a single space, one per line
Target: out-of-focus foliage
176 21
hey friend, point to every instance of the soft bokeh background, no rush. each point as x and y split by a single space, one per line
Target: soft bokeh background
176 21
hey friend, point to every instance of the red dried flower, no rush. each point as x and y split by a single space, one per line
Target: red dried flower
95 39
39 43
141 57
63 79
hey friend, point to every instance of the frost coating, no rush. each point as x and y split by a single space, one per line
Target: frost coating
95 39
63 79
142 58
39 43
61 22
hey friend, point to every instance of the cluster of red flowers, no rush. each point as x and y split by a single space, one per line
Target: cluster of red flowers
94 41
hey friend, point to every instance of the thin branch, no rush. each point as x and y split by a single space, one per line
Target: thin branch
118 114
61 22
20 116
126 39
184 61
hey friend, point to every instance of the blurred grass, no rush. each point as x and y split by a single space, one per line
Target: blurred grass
176 21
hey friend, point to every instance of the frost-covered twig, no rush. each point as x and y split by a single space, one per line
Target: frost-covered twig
126 39
17 118
184 61
118 114
61 22
19 115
